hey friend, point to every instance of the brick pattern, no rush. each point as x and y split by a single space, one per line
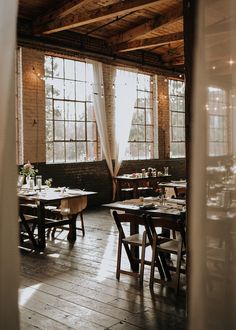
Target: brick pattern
33 105
163 118
92 176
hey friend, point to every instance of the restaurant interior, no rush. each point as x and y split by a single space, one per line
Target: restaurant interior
118 134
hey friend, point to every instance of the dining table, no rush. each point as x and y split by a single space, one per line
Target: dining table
47 196
169 207
137 180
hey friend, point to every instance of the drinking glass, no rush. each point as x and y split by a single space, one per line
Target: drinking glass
39 181
31 183
20 181
166 170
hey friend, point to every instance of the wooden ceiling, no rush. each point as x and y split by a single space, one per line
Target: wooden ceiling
146 31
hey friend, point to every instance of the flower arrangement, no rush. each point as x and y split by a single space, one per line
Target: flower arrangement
48 182
28 170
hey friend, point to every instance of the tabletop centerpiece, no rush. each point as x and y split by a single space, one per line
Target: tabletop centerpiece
28 171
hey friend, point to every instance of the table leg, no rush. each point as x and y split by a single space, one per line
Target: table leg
72 229
134 229
135 186
41 226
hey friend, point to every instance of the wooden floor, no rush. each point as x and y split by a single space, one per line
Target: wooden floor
75 287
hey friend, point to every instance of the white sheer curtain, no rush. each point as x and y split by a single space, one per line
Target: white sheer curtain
126 95
9 259
213 203
100 112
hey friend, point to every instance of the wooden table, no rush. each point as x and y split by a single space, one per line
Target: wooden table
46 197
173 184
173 208
136 181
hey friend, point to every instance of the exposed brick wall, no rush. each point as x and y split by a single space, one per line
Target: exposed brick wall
177 167
163 118
92 176
33 105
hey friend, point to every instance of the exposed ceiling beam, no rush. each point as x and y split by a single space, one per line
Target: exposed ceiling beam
68 7
149 26
74 20
147 43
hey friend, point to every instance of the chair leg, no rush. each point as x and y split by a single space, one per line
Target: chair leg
142 258
178 265
118 258
82 223
151 281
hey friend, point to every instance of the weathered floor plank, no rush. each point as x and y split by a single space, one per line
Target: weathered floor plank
75 287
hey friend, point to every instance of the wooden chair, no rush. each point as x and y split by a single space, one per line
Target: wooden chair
27 225
127 193
129 243
70 208
162 246
180 192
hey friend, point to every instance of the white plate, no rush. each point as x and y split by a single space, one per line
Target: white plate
30 193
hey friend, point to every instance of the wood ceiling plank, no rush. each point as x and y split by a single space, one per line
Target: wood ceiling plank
68 7
148 43
149 26
75 20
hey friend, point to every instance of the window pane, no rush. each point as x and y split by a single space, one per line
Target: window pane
48 109
58 67
80 71
89 73
139 116
49 152
80 111
48 87
134 133
58 89
70 131
142 150
70 110
59 130
59 110
59 155
141 133
69 69
80 91
70 152
80 131
90 112
69 90
141 100
149 133
48 66
89 92
91 131
149 116
92 146
81 151
144 82
49 130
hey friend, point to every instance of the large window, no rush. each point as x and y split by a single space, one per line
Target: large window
177 118
141 137
71 133
217 122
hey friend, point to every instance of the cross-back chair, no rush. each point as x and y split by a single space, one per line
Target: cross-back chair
163 246
129 243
